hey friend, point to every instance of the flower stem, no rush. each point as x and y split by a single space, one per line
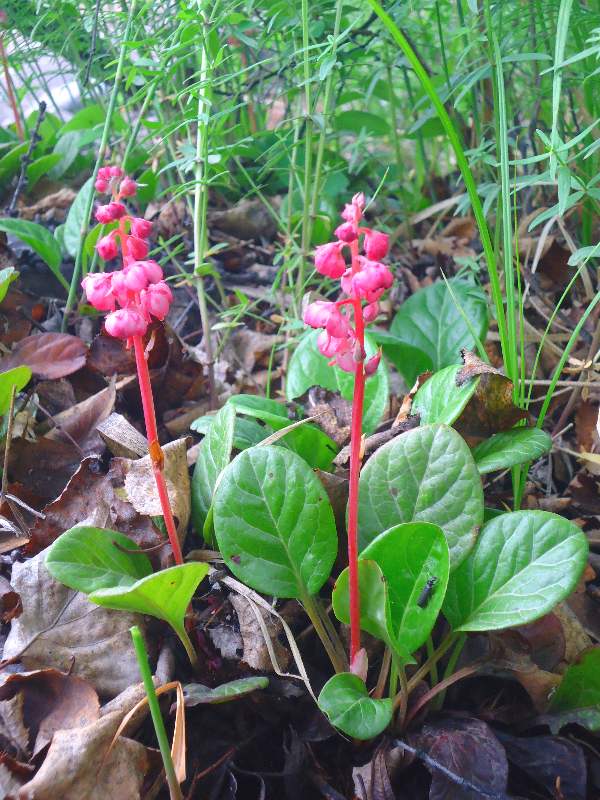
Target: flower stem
154 448
355 459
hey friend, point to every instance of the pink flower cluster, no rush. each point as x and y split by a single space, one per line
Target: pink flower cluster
137 292
364 281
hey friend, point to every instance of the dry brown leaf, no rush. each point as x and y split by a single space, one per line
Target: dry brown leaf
248 219
44 466
256 653
140 485
60 628
52 207
10 601
79 422
48 355
48 700
249 348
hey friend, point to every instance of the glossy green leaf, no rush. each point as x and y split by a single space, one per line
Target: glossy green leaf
165 595
308 368
409 555
424 475
314 446
75 218
214 454
247 432
523 564
38 239
408 360
7 276
375 610
507 449
345 701
274 523
430 321
196 694
580 686
17 376
440 399
86 559
40 167
10 162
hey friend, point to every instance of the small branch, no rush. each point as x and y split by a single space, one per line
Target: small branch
9 430
88 66
26 159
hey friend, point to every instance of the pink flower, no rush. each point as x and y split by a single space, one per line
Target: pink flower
371 312
120 289
107 247
372 364
376 245
104 174
154 273
115 172
98 290
347 232
135 278
369 283
346 361
156 300
101 185
110 212
137 248
329 261
337 325
317 314
353 211
128 187
125 323
141 227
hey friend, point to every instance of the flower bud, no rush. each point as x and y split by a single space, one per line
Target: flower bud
104 174
156 300
154 273
375 245
101 185
372 364
135 277
346 232
125 323
107 247
128 187
359 202
371 312
317 314
329 261
346 362
98 290
115 172
137 248
337 325
110 212
141 228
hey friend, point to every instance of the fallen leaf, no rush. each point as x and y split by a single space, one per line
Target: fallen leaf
121 438
109 356
60 628
48 355
49 700
13 774
248 219
547 759
469 748
10 601
251 348
140 485
79 422
44 465
256 653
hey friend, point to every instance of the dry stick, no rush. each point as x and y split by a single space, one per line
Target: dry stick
10 92
9 430
27 159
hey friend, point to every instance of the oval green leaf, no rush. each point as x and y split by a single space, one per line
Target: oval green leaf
7 276
507 449
86 559
274 523
74 222
196 694
409 555
40 240
18 377
430 321
523 564
424 475
346 703
439 399
247 432
308 368
580 686
214 454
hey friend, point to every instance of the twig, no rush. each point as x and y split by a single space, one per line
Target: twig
27 158
9 430
88 66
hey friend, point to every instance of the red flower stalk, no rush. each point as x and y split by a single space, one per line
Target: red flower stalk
133 295
364 282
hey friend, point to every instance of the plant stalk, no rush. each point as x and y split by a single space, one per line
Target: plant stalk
10 92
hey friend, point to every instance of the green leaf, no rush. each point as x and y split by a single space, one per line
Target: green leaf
564 188
75 218
40 240
17 376
274 523
361 121
440 399
523 564
375 610
580 686
308 368
430 321
147 186
196 694
7 276
586 717
214 454
409 555
247 432
407 359
10 162
507 449
345 701
40 167
424 475
314 446
86 559
85 118
165 595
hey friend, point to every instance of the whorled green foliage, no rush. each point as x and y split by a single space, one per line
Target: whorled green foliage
274 523
523 564
346 702
425 475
